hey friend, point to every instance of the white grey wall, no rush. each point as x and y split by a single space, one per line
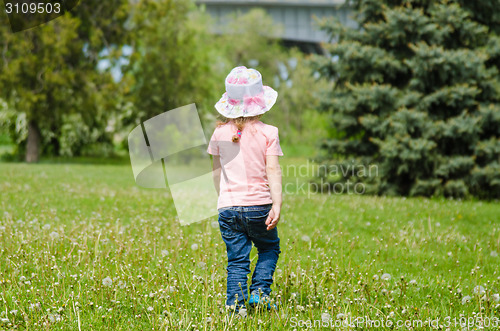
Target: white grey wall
297 20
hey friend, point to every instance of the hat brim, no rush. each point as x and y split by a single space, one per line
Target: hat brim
228 110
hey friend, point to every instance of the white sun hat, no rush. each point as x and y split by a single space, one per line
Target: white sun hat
245 95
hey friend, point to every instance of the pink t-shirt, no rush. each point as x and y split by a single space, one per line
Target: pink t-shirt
243 174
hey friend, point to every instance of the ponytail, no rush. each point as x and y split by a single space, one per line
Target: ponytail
237 136
240 124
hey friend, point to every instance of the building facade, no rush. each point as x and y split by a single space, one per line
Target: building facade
296 16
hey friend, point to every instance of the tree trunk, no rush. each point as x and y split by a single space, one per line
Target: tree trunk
33 143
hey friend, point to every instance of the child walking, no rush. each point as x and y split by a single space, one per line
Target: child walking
247 177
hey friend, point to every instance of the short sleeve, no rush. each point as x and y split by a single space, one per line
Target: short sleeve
213 145
273 143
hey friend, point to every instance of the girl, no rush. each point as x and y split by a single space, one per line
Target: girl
247 177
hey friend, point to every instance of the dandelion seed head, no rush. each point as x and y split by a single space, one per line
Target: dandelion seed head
466 299
479 290
386 276
242 313
107 282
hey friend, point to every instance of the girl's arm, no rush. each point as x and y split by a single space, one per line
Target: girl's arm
273 171
216 172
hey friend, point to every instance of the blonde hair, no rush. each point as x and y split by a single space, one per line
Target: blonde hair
240 123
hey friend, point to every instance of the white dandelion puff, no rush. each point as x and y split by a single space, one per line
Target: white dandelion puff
479 290
107 282
386 276
194 247
375 277
466 299
165 252
46 227
325 317
495 297
54 235
494 254
243 313
306 238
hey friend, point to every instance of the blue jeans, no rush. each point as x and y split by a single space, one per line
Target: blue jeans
239 227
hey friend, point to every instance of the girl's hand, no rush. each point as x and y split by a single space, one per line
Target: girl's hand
273 218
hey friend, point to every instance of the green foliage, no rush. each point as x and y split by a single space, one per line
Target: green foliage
417 94
172 63
49 77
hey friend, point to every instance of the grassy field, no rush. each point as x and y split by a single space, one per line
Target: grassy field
83 248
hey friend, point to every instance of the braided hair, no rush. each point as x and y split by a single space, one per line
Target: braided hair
240 124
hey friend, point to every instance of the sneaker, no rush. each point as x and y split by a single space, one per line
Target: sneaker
256 300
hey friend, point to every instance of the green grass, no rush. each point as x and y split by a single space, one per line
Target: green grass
65 228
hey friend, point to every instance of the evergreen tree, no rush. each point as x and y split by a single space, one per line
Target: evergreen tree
416 93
